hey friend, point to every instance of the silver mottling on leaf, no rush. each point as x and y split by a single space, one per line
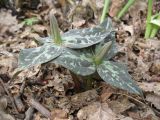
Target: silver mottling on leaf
81 38
78 62
116 75
39 55
44 40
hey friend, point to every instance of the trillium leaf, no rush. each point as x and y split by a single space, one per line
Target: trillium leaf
116 75
38 55
81 38
77 61
44 40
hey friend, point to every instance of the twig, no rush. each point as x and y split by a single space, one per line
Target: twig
29 113
35 104
17 98
10 96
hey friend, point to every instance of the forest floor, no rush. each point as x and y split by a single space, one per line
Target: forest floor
47 91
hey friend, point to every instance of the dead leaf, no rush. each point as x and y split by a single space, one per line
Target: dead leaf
3 114
120 105
61 83
78 23
150 87
128 28
58 114
115 7
154 99
155 68
40 29
96 111
8 22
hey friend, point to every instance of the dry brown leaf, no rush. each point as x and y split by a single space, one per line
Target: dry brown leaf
148 114
3 114
154 99
61 83
150 87
128 28
58 114
96 111
115 7
120 106
39 29
78 23
8 22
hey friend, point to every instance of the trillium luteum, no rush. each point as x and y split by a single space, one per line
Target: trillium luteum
55 45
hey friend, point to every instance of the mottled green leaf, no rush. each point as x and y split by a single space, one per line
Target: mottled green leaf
44 40
38 55
78 62
81 38
116 75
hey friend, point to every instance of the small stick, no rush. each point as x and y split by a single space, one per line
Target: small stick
35 104
17 98
10 96
29 113
19 103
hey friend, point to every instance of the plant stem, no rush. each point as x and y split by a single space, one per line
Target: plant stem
105 10
125 8
102 52
55 29
155 29
149 14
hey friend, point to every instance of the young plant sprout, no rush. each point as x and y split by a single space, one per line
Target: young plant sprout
105 10
30 21
57 44
125 8
149 15
155 22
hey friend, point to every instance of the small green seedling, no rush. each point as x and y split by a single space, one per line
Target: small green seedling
149 15
57 44
125 8
105 10
155 23
30 21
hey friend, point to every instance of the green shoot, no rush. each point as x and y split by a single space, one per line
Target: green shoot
156 26
105 10
30 21
55 29
102 52
125 8
149 14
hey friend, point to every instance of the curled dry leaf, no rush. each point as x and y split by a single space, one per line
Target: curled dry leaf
96 111
3 114
154 99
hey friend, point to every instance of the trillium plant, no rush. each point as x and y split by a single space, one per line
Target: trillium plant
84 52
